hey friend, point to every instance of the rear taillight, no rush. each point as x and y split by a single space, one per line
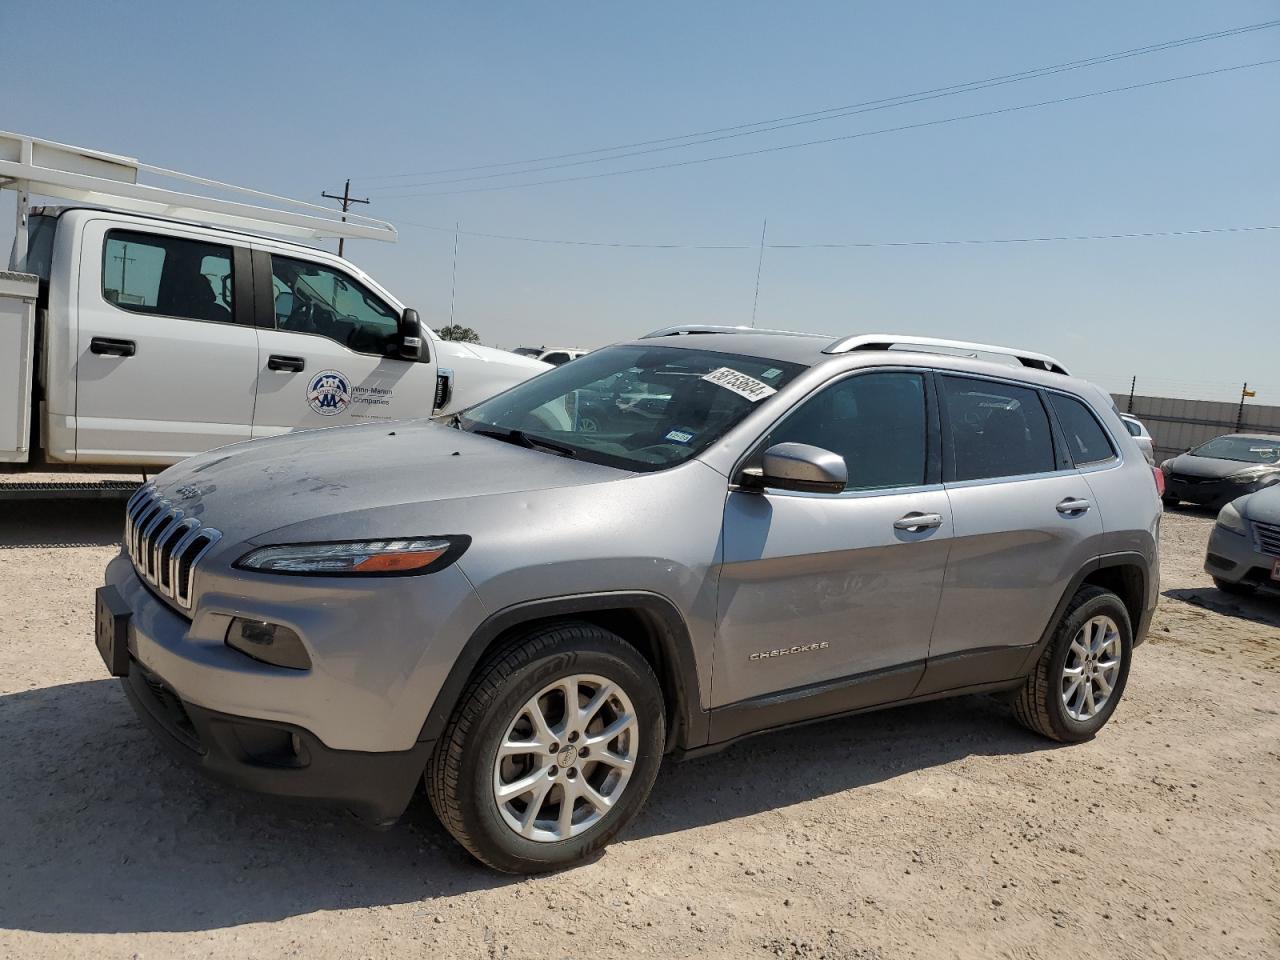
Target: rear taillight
1159 475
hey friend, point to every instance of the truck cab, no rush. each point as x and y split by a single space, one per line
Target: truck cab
155 338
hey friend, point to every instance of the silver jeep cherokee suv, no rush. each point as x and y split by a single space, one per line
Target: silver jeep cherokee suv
530 608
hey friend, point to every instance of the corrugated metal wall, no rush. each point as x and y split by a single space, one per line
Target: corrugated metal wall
1177 425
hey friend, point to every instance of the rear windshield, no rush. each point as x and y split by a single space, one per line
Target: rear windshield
1243 449
631 406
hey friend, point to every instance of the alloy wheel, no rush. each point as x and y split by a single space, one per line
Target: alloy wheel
566 758
1092 668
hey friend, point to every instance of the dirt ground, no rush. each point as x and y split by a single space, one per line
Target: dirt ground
932 831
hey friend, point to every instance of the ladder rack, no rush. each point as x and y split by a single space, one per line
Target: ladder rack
30 165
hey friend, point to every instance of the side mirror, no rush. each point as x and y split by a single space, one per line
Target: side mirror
284 305
802 467
412 346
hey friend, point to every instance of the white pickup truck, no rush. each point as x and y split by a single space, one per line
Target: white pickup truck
140 326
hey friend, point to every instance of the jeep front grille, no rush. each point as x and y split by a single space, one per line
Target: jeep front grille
165 544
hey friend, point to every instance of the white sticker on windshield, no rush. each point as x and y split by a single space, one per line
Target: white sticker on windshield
740 383
771 373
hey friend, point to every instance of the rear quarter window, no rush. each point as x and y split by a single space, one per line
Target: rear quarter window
1086 440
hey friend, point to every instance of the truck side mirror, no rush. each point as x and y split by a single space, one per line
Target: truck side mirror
412 346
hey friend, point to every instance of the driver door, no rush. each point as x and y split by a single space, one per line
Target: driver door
328 350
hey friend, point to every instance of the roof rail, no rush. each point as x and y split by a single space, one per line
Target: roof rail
31 165
886 341
697 328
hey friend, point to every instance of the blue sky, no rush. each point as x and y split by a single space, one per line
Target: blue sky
293 98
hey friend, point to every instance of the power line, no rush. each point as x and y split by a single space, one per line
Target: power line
870 244
816 116
848 136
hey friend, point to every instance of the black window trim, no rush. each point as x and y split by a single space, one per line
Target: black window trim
933 437
241 278
1061 460
1061 431
265 304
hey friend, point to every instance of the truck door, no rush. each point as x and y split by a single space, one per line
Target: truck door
329 349
166 349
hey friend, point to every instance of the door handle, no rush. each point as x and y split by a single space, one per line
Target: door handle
1074 506
289 364
915 522
109 347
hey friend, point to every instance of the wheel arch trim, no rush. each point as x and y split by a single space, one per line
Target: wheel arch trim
678 671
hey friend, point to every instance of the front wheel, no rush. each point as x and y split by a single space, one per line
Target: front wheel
551 751
1081 675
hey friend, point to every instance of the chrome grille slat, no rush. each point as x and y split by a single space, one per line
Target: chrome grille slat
165 544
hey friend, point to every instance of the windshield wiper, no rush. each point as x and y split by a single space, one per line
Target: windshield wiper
522 439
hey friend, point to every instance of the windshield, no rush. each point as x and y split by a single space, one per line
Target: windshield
1243 449
636 407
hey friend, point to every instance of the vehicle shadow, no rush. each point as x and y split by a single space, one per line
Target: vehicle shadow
105 834
1263 607
60 523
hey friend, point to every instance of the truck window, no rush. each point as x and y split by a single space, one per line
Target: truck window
169 276
316 299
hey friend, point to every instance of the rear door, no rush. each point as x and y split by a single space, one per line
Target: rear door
166 348
838 589
329 349
1025 524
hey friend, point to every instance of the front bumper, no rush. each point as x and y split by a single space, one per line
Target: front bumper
1205 493
1236 558
275 758
349 730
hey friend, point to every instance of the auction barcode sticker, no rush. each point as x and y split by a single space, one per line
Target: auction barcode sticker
740 383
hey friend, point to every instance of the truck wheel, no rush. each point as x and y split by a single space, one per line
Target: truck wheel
1081 675
551 750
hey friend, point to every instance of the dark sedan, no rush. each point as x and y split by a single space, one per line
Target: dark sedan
1227 467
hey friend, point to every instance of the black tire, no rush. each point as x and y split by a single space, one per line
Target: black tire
1170 502
1038 706
1235 589
460 775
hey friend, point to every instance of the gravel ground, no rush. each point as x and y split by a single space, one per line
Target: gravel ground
931 831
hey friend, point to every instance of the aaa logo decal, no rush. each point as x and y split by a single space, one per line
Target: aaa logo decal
329 393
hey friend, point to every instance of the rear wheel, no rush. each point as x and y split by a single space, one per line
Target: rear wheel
1081 675
1236 589
1170 501
551 750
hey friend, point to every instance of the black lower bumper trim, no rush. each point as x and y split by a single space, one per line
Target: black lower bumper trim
277 758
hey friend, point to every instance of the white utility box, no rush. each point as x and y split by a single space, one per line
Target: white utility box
18 293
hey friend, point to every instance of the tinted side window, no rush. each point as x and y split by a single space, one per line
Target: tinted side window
1086 440
1133 428
556 359
876 421
172 276
313 298
996 429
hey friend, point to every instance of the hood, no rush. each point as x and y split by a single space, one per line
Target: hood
1210 467
453 349
1263 506
249 489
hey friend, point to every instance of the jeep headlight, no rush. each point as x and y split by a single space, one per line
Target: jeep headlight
357 558
1229 519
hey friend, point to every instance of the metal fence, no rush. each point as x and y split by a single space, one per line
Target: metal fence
1178 425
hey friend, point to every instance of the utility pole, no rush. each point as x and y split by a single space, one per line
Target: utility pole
347 200
1133 385
759 264
453 283
125 260
1244 392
